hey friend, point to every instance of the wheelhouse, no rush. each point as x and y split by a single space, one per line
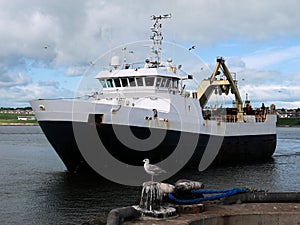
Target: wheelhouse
142 79
124 82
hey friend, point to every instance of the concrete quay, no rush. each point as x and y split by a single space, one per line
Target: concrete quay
250 208
236 214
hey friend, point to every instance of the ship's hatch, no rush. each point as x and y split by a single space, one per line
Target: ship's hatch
95 119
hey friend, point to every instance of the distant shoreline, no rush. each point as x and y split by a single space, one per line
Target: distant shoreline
36 124
19 124
287 126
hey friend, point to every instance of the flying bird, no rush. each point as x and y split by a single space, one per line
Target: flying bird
46 47
193 47
152 169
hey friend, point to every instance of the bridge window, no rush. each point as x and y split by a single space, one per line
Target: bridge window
117 82
168 83
109 83
103 83
124 82
139 81
149 81
132 81
175 83
158 80
163 82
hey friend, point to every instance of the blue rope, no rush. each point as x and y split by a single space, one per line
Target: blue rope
222 194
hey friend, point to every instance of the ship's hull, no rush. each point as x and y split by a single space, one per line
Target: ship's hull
232 150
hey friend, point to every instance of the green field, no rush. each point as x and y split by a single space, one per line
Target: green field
291 122
13 118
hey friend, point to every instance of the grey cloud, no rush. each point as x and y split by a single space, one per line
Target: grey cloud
236 62
8 79
80 30
72 33
76 70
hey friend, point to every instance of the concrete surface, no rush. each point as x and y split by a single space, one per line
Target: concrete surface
237 214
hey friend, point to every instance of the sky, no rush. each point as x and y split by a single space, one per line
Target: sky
46 47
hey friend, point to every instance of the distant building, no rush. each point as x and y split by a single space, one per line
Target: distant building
288 113
16 111
26 118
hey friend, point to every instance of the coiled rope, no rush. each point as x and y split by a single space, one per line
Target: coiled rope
220 194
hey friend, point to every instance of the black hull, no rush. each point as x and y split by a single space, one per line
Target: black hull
233 150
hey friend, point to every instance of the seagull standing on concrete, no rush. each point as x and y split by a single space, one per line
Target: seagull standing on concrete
152 169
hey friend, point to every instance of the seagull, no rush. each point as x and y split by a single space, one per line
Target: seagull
193 47
46 47
152 169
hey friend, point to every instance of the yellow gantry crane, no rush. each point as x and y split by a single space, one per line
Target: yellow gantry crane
207 86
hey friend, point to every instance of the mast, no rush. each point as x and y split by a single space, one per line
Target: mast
157 37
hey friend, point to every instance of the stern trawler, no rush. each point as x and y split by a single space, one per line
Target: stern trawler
147 111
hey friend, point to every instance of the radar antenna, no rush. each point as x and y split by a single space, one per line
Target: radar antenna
157 36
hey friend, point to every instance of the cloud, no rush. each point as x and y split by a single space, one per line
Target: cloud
80 30
272 56
72 33
8 79
236 62
267 85
21 95
76 71
281 94
50 83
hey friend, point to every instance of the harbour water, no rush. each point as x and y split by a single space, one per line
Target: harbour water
36 189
